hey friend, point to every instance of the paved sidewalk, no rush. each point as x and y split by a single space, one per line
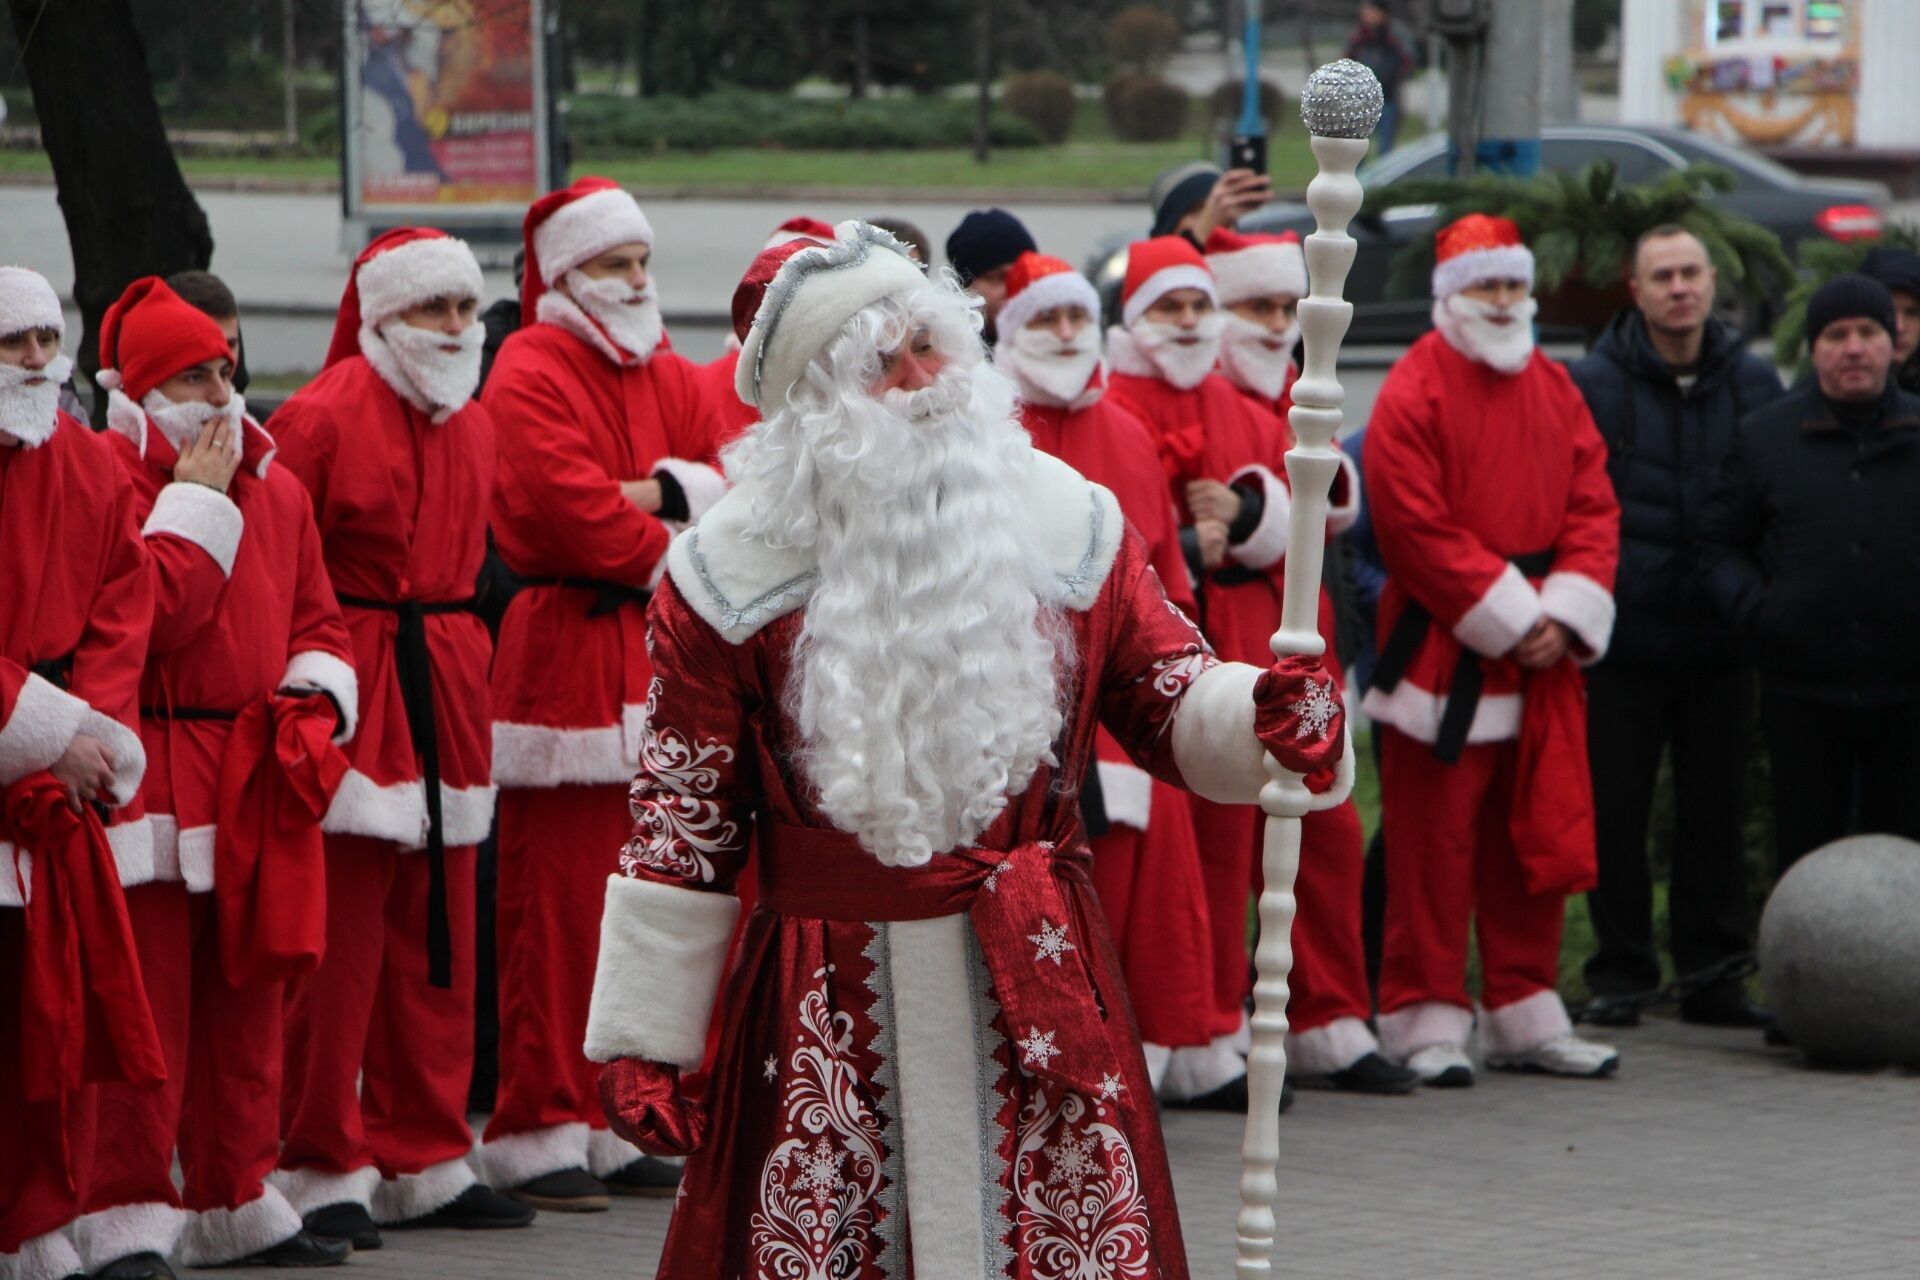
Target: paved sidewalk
1709 1158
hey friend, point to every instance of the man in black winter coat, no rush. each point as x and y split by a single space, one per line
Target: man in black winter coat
1811 548
1667 384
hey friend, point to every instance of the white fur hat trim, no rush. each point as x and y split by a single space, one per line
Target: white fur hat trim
1061 289
583 229
1463 270
1163 282
1258 271
415 272
27 301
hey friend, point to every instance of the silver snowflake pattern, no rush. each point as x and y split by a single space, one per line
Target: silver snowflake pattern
1000 868
1037 1049
771 1067
1316 710
1110 1088
820 1170
1071 1161
1051 941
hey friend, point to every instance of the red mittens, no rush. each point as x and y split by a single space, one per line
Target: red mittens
645 1106
1300 718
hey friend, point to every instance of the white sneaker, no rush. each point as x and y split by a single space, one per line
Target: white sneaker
1444 1066
1564 1055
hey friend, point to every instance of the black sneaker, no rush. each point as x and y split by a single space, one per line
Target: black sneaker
136 1266
302 1249
478 1208
1611 1011
564 1191
1374 1074
346 1221
648 1176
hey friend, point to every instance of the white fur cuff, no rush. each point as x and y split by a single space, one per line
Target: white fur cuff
205 517
335 675
1501 617
129 754
1406 1031
1343 507
518 1158
415 1195
1266 546
1584 607
1321 1051
310 1189
608 1153
1126 791
38 730
217 1237
539 755
662 950
1417 713
1526 1024
1218 754
702 484
108 1235
398 813
47 1257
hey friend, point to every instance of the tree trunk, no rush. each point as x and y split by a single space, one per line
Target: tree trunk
983 102
128 210
862 74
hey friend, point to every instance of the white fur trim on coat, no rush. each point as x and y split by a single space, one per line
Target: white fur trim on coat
608 1153
1127 792
48 1257
415 1195
538 755
1196 1070
583 229
216 1237
1525 1024
412 273
1184 275
1266 546
310 1189
1258 271
662 949
39 729
1321 1051
27 301
398 813
1464 270
203 516
1061 289
1501 617
336 676
1584 607
108 1235
1416 712
1405 1032
129 755
518 1158
1344 504
131 844
1214 745
703 485
182 855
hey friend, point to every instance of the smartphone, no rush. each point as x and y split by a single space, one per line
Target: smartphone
1247 151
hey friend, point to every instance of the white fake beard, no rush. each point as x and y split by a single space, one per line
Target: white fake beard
1048 370
926 691
1466 324
1251 359
182 423
29 409
444 379
631 319
1185 365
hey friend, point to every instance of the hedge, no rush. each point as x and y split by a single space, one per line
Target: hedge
600 124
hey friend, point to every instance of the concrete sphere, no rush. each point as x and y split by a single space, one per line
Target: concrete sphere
1840 952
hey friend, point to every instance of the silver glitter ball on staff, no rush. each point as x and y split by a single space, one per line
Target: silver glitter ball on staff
1342 100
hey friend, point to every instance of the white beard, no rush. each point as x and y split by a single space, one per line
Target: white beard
1186 366
1050 371
1256 359
1464 322
29 409
631 319
182 423
443 379
926 691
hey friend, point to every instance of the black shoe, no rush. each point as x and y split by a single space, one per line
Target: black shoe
302 1249
344 1221
564 1191
478 1208
1374 1074
648 1176
1231 1096
136 1266
1723 1007
1611 1011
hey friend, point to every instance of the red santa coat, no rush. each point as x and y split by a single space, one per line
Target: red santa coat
570 682
401 505
242 606
77 598
736 415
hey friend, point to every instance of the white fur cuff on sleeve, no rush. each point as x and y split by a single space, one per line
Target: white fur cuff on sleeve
1344 502
1584 607
1266 546
662 949
702 484
1501 617
129 754
1214 744
205 517
336 676
43 721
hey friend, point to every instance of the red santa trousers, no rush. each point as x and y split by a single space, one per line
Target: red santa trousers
367 1017
1452 864
48 1146
221 1099
558 845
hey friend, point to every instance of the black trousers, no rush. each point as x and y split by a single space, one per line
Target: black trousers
1705 716
1839 770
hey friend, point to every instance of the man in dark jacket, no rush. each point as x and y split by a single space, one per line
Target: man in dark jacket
1811 547
1899 270
1667 384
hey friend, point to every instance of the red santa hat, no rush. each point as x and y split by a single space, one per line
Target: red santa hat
400 269
810 299
27 301
752 289
1253 266
1155 268
150 334
800 229
574 225
1479 247
1037 283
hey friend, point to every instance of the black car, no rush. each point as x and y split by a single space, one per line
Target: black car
1789 205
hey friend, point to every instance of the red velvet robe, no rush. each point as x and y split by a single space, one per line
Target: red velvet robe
736 415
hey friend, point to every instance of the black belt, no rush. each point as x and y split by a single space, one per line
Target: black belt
1463 691
609 597
57 672
188 713
413 666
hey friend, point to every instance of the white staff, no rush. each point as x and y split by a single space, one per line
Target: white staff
1340 104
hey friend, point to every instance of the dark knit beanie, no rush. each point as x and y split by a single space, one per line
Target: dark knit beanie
985 240
1178 192
1894 268
1845 298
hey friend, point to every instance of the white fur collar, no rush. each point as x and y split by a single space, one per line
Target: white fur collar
560 311
130 420
739 584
